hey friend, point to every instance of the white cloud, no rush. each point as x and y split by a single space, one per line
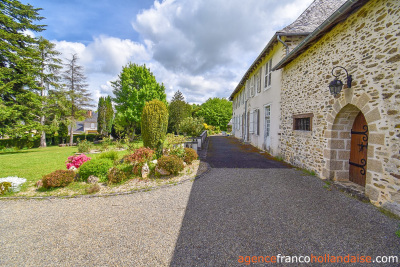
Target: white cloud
200 47
205 46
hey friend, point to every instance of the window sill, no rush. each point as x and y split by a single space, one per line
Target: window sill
267 88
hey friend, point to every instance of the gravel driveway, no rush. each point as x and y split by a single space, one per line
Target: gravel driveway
229 212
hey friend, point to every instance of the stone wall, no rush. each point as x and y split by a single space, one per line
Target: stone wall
366 44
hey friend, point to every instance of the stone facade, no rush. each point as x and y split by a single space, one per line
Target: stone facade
367 44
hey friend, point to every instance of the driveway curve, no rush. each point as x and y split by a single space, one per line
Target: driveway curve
227 213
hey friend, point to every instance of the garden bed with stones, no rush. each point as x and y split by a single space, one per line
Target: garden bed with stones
130 186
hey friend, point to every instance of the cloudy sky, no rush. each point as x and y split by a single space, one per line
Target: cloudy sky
200 47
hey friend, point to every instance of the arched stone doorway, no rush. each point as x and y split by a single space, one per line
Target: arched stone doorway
348 146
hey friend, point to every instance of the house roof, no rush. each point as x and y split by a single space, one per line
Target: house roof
312 17
93 118
339 15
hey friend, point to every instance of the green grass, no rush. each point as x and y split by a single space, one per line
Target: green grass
32 164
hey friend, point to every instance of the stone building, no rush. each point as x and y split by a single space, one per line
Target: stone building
256 99
354 137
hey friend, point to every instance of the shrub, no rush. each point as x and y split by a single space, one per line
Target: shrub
139 158
93 189
112 155
190 155
116 175
59 178
192 126
174 140
76 161
96 167
154 125
85 146
119 144
171 163
105 143
142 154
4 186
177 151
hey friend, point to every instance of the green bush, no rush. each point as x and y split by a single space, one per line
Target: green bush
4 186
177 151
111 154
190 155
171 163
96 167
154 125
59 178
105 144
85 146
192 126
174 140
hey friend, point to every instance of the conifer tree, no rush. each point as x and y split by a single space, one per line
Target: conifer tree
18 68
77 94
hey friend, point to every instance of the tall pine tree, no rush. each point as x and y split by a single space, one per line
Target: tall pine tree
48 78
77 94
18 68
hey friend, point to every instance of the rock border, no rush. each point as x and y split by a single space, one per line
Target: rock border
113 194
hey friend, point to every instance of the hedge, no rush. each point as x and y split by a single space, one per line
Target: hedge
33 142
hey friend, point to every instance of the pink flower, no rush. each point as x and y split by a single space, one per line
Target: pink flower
76 161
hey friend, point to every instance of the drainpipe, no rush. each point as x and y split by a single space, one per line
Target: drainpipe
245 121
280 40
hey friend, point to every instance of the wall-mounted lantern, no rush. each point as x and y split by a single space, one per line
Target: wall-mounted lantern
335 86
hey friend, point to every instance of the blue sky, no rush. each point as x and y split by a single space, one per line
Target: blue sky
200 47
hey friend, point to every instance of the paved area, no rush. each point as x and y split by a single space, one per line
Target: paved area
229 212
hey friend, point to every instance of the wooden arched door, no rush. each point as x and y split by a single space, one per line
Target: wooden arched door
358 150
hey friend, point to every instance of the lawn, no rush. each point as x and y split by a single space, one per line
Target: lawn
32 164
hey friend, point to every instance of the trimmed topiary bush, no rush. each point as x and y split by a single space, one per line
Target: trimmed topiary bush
190 155
96 167
154 125
171 163
59 178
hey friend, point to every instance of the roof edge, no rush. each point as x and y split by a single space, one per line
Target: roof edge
325 25
260 56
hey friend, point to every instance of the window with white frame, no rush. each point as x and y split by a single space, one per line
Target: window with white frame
268 74
256 121
258 82
92 125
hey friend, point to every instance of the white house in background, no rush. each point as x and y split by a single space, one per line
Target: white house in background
88 126
256 99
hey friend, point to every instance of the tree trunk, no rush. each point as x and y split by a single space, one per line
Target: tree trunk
43 135
71 136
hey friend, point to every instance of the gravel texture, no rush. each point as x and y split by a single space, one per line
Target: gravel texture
227 213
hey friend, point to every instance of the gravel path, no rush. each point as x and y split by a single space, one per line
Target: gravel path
227 213
132 230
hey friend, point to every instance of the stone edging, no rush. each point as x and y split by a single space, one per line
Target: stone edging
113 194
